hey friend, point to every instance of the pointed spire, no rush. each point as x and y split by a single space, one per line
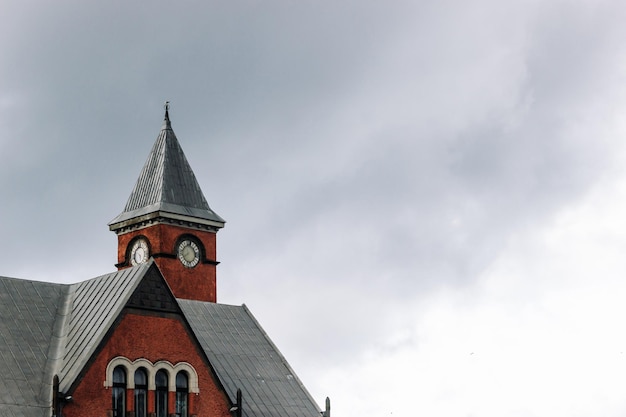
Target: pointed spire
166 121
167 187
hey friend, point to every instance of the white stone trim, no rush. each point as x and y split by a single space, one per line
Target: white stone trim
191 374
118 360
151 370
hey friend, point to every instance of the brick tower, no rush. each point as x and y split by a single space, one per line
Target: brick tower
168 218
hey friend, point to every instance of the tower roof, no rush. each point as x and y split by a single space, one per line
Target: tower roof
167 187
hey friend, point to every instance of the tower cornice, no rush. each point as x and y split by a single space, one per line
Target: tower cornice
161 217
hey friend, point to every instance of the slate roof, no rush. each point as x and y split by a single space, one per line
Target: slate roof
244 357
93 306
48 329
167 185
28 329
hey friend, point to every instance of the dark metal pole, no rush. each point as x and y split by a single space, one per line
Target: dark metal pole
55 397
239 401
327 411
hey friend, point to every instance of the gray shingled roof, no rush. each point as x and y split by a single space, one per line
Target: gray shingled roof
244 357
48 329
93 307
28 314
167 184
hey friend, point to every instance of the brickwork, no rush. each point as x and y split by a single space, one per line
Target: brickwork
197 283
152 338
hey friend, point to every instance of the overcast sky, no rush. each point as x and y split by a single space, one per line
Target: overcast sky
425 201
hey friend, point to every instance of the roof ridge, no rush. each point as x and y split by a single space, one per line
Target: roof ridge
57 342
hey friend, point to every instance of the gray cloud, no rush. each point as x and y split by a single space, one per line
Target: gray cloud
364 154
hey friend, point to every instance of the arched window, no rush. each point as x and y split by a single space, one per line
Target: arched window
161 394
154 386
119 391
141 393
182 394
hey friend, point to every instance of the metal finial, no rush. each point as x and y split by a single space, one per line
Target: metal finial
166 106
166 119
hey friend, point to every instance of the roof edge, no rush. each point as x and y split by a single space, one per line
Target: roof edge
282 357
170 211
73 370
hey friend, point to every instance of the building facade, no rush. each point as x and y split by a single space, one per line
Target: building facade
150 339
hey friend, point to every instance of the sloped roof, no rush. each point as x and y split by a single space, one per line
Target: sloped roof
93 307
48 329
244 357
28 315
167 185
51 329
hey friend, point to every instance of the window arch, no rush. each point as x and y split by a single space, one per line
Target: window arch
182 394
143 376
161 384
141 392
151 368
118 393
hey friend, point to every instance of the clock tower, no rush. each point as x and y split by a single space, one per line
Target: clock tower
167 218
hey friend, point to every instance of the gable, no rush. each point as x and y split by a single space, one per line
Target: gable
153 294
143 338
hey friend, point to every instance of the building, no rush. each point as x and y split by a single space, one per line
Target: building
149 340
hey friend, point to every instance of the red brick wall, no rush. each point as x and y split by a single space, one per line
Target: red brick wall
198 283
152 338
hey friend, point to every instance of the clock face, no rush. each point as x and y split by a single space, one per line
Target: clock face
188 253
139 252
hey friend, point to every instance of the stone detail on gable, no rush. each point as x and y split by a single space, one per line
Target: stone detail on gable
153 294
151 369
